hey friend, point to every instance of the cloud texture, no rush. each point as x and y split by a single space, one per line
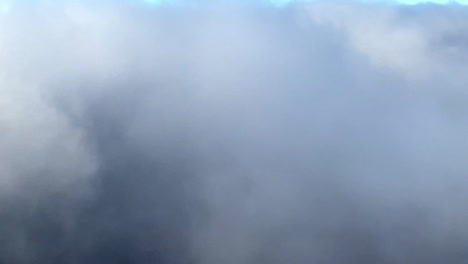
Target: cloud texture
316 133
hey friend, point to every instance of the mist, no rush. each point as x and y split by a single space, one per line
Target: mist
313 133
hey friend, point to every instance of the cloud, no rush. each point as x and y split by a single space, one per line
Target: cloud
315 133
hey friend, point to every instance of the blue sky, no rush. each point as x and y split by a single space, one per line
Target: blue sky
286 2
402 2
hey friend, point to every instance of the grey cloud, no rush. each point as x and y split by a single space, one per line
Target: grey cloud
312 134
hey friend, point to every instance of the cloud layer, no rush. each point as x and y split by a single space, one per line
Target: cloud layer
323 133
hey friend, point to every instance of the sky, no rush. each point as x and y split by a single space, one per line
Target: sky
7 5
320 133
400 2
286 2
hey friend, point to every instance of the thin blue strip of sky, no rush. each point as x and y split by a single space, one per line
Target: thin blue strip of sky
280 3
286 2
